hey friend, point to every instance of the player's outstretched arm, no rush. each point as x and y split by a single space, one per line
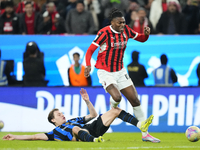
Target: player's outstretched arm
41 136
90 106
140 37
88 57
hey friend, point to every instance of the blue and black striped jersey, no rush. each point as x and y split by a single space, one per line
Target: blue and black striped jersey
64 131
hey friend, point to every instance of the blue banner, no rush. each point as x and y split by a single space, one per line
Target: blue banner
182 51
174 109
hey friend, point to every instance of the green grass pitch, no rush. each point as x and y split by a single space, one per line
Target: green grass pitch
113 141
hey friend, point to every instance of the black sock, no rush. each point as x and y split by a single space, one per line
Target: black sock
128 118
85 136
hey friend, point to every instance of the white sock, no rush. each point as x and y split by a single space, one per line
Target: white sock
138 113
140 116
139 124
94 139
144 133
113 103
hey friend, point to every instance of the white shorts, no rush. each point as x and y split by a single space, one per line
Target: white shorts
119 78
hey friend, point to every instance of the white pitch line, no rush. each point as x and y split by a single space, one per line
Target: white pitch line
113 148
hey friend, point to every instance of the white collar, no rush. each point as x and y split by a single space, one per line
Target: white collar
114 30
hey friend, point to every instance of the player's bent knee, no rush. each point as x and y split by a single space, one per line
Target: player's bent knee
117 98
75 130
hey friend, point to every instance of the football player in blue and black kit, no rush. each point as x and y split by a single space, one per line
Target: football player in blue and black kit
77 129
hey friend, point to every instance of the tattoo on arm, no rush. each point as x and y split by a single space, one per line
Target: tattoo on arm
87 102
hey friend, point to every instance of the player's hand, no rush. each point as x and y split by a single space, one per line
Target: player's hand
147 30
84 94
87 71
9 137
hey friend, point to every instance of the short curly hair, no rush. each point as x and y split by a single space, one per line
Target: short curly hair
114 13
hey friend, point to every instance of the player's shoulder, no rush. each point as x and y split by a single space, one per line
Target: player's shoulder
127 27
104 29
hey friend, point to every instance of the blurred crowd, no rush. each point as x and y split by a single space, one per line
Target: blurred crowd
88 16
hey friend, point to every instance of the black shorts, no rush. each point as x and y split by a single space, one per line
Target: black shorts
96 128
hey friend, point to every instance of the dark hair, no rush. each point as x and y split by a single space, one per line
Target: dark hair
9 4
28 3
51 115
135 55
80 1
114 13
163 59
76 54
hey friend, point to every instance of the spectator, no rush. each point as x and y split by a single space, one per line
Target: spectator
2 6
71 5
29 20
198 74
164 75
137 71
59 7
183 3
9 21
131 11
191 11
33 67
40 55
80 21
21 6
94 7
157 8
51 22
141 21
172 21
3 77
76 73
133 16
147 5
108 5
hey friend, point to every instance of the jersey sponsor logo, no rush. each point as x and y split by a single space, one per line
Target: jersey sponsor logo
119 44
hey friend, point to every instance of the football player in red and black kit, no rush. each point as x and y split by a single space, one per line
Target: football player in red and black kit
112 75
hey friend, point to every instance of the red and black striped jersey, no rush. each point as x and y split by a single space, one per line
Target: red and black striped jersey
112 46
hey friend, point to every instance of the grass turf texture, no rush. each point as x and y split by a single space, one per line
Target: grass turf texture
118 141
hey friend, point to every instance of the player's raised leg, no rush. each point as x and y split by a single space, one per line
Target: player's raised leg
115 94
109 83
131 94
108 117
